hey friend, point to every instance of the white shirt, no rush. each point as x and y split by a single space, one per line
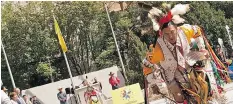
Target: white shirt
4 98
13 102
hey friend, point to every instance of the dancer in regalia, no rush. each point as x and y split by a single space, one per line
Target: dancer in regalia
171 54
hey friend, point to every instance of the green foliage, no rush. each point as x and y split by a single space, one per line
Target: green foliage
135 77
225 6
44 69
29 39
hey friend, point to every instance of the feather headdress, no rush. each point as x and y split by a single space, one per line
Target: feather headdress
158 18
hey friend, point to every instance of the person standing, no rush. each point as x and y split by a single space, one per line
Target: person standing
4 98
114 81
35 101
91 96
27 101
3 88
85 83
61 96
20 99
14 98
96 81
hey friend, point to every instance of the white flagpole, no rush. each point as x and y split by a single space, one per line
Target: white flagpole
118 51
8 66
68 67
71 77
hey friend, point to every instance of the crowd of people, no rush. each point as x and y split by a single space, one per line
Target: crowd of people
16 97
114 81
62 96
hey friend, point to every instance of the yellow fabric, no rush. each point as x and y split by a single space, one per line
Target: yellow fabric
134 93
189 32
204 85
195 86
198 33
60 38
229 61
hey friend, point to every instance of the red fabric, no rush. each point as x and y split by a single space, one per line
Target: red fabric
165 19
89 94
114 80
185 102
220 89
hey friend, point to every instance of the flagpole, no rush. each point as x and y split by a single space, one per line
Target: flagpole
64 49
71 77
114 37
68 67
64 54
8 66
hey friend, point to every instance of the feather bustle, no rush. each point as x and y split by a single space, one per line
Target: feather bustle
180 9
177 19
155 11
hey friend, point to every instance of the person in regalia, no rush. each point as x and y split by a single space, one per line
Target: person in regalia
171 53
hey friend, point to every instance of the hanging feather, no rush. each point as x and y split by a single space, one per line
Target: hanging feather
155 12
180 9
155 25
220 42
150 16
177 19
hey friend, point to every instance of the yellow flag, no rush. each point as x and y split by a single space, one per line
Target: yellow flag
60 38
131 94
